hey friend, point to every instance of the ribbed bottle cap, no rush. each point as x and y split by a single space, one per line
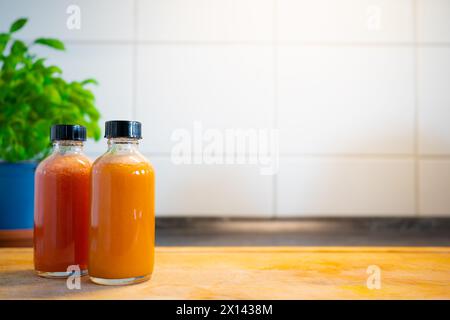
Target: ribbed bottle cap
67 132
123 129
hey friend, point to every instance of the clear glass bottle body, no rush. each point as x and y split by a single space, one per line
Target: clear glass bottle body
62 210
122 225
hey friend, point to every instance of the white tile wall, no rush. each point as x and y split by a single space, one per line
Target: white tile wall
357 88
434 22
345 20
434 100
346 99
434 187
205 20
100 19
221 86
345 187
211 190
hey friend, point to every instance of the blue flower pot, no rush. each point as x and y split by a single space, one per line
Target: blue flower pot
16 196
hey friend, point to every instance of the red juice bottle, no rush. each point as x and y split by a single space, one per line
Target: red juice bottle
62 205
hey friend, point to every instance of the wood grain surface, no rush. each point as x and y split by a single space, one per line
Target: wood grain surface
253 273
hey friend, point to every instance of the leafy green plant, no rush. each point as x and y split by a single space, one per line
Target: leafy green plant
34 96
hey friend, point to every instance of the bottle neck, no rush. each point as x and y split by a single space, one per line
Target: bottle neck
123 145
67 147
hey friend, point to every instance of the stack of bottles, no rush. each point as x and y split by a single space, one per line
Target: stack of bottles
95 218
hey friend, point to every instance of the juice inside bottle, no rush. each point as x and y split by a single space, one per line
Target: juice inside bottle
121 244
62 205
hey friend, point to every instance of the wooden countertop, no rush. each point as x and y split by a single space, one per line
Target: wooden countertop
253 273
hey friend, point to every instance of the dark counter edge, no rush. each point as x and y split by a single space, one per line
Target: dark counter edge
179 231
367 231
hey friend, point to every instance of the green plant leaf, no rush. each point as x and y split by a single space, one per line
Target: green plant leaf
53 69
33 96
18 24
89 81
4 39
18 48
49 42
52 94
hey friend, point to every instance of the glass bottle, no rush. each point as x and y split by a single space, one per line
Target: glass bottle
122 225
62 205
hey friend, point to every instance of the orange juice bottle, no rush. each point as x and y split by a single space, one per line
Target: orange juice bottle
62 205
122 225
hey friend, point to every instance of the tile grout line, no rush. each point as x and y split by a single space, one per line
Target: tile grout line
256 43
275 104
416 112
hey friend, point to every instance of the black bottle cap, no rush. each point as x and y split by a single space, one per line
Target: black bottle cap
123 129
67 132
